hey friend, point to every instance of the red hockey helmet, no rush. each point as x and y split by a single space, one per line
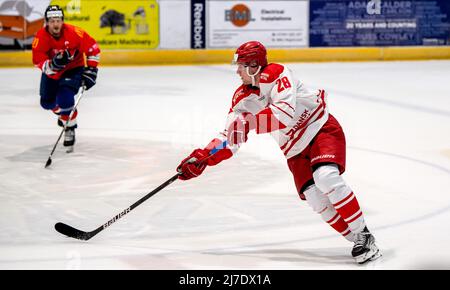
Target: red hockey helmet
252 53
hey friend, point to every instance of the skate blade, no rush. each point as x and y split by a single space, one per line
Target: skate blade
69 149
368 257
376 256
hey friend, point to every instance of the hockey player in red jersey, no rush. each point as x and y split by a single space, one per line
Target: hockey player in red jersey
58 50
271 100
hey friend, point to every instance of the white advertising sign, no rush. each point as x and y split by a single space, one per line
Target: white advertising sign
174 21
274 23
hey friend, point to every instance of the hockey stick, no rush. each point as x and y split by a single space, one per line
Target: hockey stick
82 235
80 95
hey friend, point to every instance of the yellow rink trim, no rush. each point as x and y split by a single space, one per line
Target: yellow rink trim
224 56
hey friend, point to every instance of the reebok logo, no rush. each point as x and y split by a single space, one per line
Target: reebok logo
198 40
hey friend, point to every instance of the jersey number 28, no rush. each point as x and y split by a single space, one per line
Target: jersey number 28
283 84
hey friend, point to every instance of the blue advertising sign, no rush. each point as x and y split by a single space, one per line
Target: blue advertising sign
379 23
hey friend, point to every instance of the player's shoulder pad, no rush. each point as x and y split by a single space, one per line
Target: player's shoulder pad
271 72
242 92
41 33
40 38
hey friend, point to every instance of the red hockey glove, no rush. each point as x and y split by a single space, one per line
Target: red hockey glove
190 167
220 155
237 132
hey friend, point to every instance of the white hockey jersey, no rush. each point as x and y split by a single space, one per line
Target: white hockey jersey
283 107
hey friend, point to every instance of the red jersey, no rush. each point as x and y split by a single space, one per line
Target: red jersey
73 38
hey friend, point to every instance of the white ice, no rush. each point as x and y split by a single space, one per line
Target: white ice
139 122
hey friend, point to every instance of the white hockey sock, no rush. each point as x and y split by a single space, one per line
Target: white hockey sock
322 205
328 180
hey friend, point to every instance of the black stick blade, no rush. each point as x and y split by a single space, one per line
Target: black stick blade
49 161
72 232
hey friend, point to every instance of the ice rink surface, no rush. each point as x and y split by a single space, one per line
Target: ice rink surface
136 125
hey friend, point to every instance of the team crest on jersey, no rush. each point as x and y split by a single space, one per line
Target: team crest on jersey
264 76
79 31
237 95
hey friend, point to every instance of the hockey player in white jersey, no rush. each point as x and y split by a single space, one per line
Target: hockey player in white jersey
271 100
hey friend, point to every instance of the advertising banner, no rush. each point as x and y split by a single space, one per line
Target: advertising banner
174 24
19 22
198 24
274 23
379 23
115 24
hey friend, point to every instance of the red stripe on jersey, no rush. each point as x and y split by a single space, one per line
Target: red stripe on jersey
293 142
92 63
287 104
300 136
322 96
290 116
267 122
306 122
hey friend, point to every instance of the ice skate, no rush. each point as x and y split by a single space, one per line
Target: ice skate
365 249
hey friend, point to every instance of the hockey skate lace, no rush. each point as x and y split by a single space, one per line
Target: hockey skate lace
361 239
